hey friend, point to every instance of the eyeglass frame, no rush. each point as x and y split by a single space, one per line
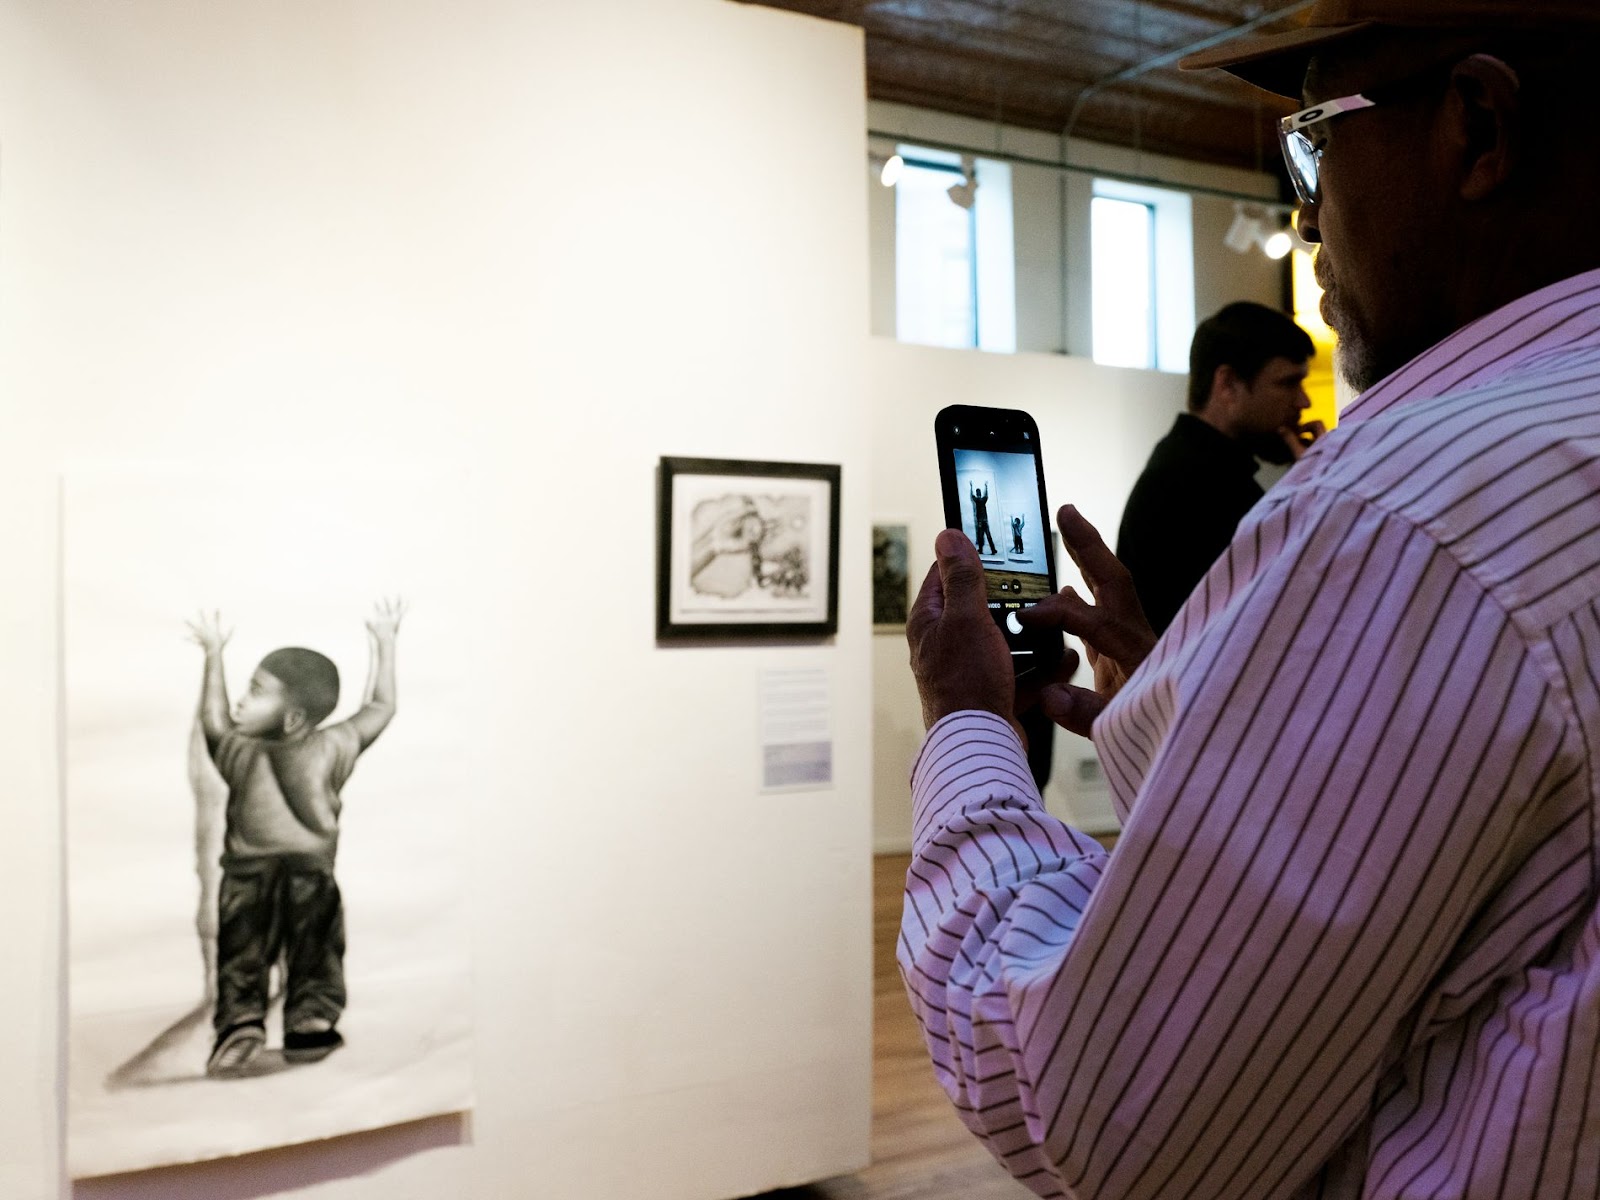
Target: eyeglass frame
1291 128
1291 137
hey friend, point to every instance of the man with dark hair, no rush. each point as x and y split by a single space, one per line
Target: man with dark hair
1247 372
1348 944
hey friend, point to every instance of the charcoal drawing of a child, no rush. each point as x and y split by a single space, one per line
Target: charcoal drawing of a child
278 901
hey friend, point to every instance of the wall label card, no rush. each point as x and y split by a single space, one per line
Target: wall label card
796 730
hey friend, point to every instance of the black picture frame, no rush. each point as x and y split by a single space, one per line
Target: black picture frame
738 544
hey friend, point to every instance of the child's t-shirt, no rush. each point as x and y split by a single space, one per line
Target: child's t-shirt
283 797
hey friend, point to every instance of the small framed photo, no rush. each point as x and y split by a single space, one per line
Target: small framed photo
747 549
891 577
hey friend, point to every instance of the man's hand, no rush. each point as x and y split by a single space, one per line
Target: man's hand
206 631
384 623
958 654
1114 630
1300 437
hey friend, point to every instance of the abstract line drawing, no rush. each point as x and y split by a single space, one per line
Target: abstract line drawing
747 549
751 546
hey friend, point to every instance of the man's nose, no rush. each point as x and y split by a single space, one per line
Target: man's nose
1305 221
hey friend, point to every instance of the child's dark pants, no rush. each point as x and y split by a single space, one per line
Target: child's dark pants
272 906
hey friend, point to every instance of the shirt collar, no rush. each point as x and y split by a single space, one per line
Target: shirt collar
1562 315
1200 433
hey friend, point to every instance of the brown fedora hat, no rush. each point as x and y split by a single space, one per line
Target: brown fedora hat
1276 62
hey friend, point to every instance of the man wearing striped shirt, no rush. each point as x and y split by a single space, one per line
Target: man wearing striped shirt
1348 944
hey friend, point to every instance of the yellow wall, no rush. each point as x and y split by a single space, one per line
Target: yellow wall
1319 384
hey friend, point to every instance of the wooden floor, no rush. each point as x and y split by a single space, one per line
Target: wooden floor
920 1149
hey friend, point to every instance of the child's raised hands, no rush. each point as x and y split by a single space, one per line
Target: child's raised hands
385 619
207 632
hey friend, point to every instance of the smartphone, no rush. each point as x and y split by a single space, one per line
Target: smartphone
991 472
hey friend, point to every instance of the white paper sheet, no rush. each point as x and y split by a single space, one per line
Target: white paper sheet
288 559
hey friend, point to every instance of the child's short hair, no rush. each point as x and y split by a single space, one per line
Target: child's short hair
311 680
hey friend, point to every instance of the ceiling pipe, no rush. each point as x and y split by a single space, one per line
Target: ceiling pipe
1164 59
1167 58
1051 164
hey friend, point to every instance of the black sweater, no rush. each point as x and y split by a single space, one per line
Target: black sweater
1182 512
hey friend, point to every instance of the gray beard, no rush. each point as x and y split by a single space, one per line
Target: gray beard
1354 363
1361 366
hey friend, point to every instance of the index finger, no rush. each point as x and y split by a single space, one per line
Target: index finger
1088 550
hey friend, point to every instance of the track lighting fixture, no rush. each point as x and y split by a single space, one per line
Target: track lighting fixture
1261 225
965 193
889 167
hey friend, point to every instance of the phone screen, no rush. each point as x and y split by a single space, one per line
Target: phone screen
992 475
1002 514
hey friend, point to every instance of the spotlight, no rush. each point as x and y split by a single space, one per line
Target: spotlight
889 167
1261 225
965 193
1246 230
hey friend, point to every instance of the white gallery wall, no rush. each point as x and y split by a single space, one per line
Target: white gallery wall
526 250
1096 426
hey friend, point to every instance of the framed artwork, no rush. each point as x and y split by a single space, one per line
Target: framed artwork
747 549
890 576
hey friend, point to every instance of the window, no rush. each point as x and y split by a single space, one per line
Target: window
1122 253
935 262
1142 267
954 265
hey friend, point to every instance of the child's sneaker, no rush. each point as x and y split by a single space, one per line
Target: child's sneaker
236 1047
310 1045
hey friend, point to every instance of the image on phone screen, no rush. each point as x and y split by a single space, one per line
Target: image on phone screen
1000 512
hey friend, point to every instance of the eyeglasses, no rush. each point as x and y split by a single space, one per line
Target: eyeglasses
1304 156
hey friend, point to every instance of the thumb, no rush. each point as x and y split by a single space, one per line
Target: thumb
960 570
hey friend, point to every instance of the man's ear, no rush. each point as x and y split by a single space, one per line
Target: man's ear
294 719
1224 386
1490 98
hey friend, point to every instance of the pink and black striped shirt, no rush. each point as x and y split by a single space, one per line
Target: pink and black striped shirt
1348 944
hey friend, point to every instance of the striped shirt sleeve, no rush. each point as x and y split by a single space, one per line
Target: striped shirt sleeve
1326 775
994 880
